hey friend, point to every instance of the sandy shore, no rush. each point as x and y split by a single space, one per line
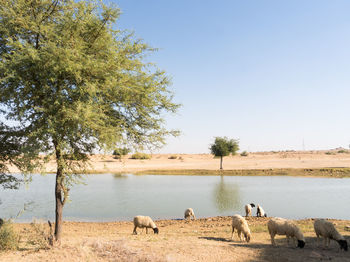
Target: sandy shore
268 160
206 239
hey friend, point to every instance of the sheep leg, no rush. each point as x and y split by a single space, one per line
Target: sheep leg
318 240
288 241
194 217
324 242
146 230
273 239
240 235
233 230
134 232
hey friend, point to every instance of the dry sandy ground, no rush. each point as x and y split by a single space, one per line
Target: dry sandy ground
201 240
309 159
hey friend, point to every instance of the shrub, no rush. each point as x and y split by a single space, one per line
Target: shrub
119 152
138 155
343 151
330 153
9 239
39 235
244 153
172 157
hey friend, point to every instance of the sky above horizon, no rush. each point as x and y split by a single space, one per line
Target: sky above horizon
273 74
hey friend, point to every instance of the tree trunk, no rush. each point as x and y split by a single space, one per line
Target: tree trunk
59 207
221 162
59 194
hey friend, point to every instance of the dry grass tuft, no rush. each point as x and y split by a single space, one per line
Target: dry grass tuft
39 235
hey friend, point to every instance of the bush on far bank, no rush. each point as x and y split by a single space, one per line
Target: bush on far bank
138 155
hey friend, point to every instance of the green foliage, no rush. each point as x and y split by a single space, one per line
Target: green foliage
119 152
138 155
244 153
223 146
9 239
74 83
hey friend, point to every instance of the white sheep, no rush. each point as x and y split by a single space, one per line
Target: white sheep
189 213
281 226
144 222
260 212
241 225
248 209
327 230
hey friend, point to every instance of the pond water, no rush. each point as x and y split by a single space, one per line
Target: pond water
120 197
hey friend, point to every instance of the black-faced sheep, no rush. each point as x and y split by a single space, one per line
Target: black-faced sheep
239 223
281 226
327 230
248 209
144 222
260 212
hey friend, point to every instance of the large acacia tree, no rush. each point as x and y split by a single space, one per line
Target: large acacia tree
71 82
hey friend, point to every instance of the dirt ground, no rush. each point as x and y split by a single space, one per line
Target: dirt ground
207 239
258 160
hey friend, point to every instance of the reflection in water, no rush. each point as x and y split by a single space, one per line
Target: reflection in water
117 176
226 196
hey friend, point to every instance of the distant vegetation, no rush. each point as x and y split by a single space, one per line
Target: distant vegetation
343 151
172 157
244 153
119 152
138 155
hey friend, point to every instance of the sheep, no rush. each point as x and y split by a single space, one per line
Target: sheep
248 209
241 225
327 230
281 226
144 221
189 213
260 212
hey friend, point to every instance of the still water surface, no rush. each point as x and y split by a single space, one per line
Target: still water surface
112 197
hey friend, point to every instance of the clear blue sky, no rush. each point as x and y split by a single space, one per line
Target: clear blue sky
269 73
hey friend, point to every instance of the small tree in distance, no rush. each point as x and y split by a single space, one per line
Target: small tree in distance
118 153
223 147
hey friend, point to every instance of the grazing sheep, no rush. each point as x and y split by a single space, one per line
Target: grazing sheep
144 221
248 209
260 212
241 225
281 226
189 213
327 230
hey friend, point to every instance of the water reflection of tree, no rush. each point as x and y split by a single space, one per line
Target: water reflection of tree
117 176
226 196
